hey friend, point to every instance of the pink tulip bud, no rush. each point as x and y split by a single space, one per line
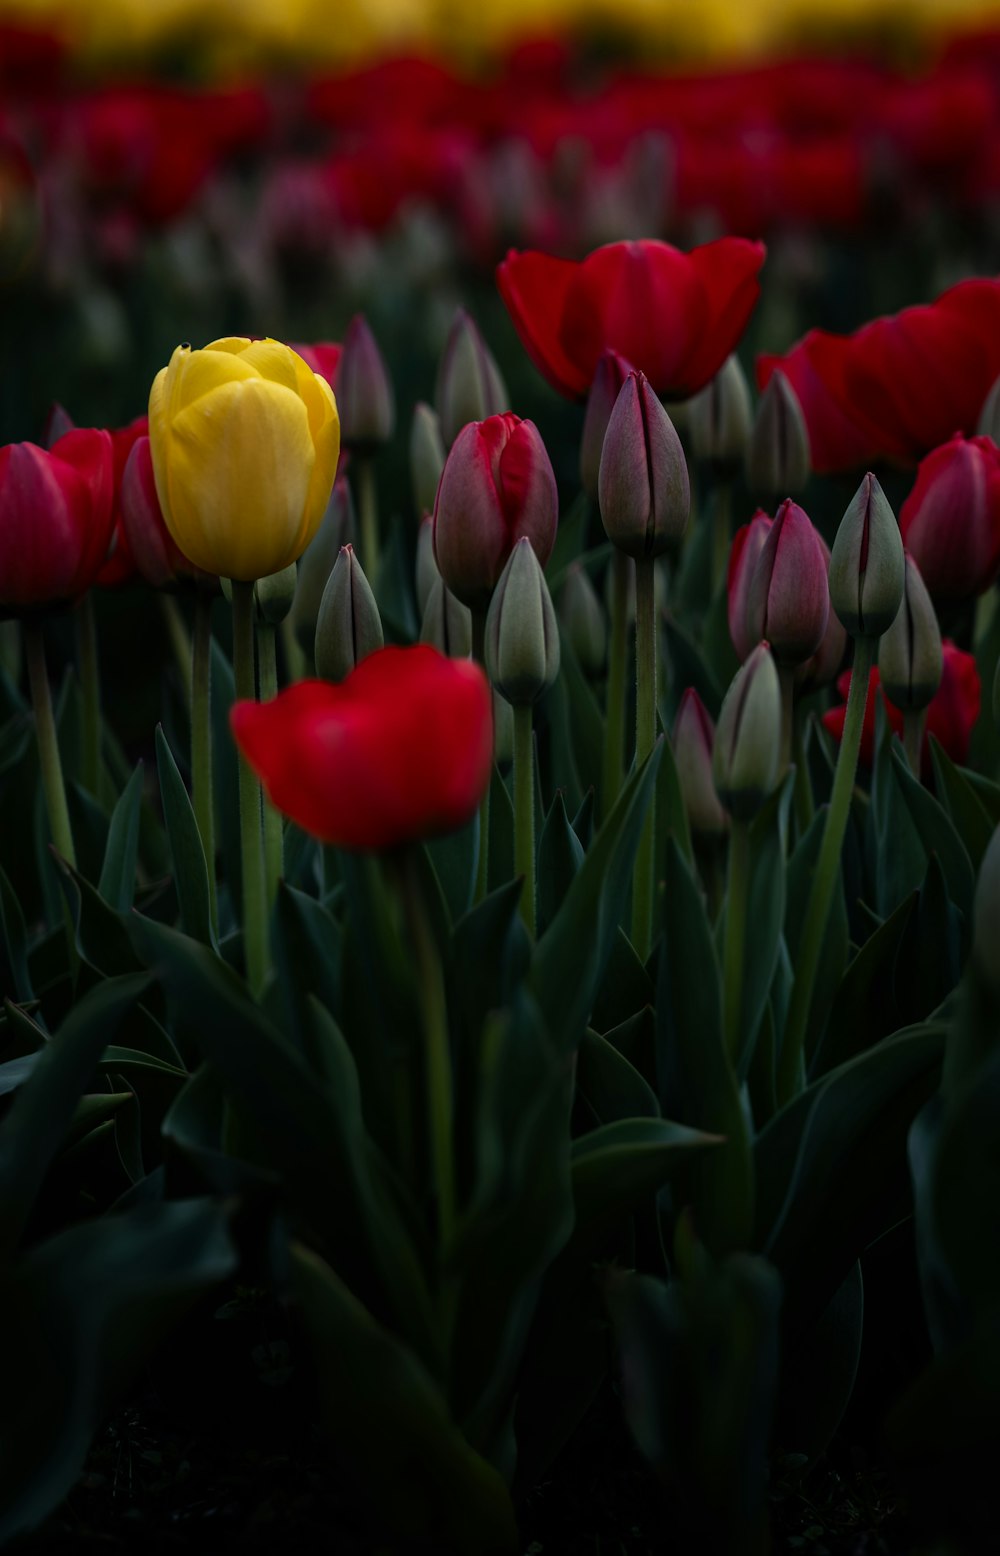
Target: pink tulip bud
693 742
823 667
951 519
497 485
748 543
612 371
365 399
788 598
157 558
643 485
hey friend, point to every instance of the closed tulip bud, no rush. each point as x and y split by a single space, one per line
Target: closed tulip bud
866 565
522 638
694 735
989 417
612 371
275 594
910 656
986 915
364 393
339 528
245 440
157 558
426 457
719 418
447 623
469 383
644 491
582 620
497 487
745 758
56 518
788 598
778 455
426 571
950 522
349 627
748 543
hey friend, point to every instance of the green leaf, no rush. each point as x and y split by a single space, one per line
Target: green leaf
818 1374
625 989
611 1086
307 943
117 882
186 851
969 815
37 1122
501 859
102 936
14 975
689 669
560 855
864 1008
936 833
570 957
765 918
618 1164
671 812
585 719
383 1410
454 859
965 1187
88 1307
836 939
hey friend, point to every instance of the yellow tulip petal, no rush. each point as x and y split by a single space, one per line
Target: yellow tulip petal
234 345
200 372
158 432
273 361
326 441
316 393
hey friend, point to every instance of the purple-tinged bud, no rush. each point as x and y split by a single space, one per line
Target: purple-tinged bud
778 455
497 486
748 543
426 457
57 423
788 598
447 623
719 419
339 528
951 519
866 564
910 655
522 637
643 486
693 739
582 620
745 757
611 372
349 627
365 399
469 383
157 558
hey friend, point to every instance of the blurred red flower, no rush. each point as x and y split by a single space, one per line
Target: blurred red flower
55 518
951 716
951 519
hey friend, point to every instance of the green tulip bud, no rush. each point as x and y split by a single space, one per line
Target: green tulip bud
365 399
643 486
866 565
349 627
339 528
719 418
582 620
522 638
778 455
470 386
910 659
275 595
746 755
426 457
426 574
447 623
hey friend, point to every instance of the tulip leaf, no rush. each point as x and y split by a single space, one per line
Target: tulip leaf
937 834
117 882
688 669
15 738
187 853
965 1185
818 1374
385 1412
969 815
88 1307
501 856
836 938
896 854
585 719
225 781
23 1035
671 812
766 916
864 1007
571 956
625 989
102 937
454 859
617 1164
307 943
15 977
611 1086
571 537
560 855
36 1125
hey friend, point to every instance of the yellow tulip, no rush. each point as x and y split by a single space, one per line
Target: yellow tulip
245 440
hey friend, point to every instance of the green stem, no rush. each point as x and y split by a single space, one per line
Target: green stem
524 811
251 849
737 895
10 650
177 632
367 494
296 664
913 738
803 797
825 876
437 1050
721 532
786 680
90 685
614 727
201 738
53 786
274 859
645 739
483 864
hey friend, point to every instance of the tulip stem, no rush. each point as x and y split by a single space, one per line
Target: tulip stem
786 681
296 666
90 685
368 516
483 864
913 737
737 894
180 641
524 810
645 739
201 738
825 876
437 1049
721 532
274 859
804 810
251 845
614 725
53 786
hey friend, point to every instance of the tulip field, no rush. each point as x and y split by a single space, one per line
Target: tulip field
500 778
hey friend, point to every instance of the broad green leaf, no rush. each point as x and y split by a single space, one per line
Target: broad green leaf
560 855
864 1007
766 917
454 859
616 1165
969 815
102 936
117 882
671 812
836 938
307 945
187 854
610 1084
936 833
15 978
586 721
818 1374
688 669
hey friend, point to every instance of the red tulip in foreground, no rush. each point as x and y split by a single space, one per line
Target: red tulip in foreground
399 750
675 317
951 520
55 518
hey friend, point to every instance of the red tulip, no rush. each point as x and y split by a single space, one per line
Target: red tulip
497 485
119 565
951 519
55 518
788 597
323 357
900 385
401 749
675 317
951 714
148 542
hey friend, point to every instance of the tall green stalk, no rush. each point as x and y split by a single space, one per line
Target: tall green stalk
49 760
645 739
90 685
251 845
274 860
178 637
802 796
367 495
483 862
737 897
826 874
614 713
201 738
721 531
913 737
524 811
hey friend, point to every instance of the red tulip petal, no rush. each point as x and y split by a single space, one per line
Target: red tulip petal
534 288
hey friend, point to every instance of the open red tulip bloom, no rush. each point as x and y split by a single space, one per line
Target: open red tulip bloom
675 317
401 749
900 385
